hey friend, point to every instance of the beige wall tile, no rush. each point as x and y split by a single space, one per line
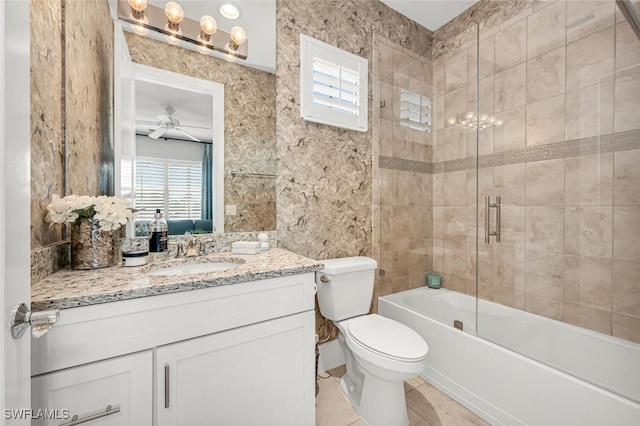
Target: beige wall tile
439 116
438 189
626 177
386 137
511 45
484 262
545 183
589 111
400 225
588 230
386 95
509 183
626 327
627 108
587 17
438 256
587 281
590 59
508 267
589 180
438 78
438 146
626 294
455 188
401 182
508 297
511 135
456 223
544 274
385 62
544 306
455 71
626 233
583 316
545 121
455 142
510 87
455 103
438 222
385 187
512 229
544 227
627 47
487 59
546 75
546 29
454 276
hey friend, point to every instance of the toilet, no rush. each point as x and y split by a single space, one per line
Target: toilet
380 353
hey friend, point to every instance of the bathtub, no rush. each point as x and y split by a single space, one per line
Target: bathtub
599 383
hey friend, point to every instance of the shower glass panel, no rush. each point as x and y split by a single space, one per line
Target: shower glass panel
403 138
558 122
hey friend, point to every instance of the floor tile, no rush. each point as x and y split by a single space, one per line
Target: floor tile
426 405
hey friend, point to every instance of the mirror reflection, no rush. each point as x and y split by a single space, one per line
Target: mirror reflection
249 127
176 148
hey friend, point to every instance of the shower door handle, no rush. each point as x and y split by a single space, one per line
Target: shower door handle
487 220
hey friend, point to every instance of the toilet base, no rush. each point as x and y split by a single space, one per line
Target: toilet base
378 402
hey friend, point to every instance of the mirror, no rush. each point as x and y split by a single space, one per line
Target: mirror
178 157
249 124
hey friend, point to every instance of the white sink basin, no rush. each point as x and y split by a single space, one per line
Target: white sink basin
193 268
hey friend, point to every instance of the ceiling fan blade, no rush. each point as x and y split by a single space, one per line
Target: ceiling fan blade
177 129
157 132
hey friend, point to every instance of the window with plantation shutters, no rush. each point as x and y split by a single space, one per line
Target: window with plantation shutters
333 85
174 186
415 111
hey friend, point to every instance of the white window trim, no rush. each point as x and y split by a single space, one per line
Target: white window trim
311 48
216 90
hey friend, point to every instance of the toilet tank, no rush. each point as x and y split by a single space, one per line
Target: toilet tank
345 287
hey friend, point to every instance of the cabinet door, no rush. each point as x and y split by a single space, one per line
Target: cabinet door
124 383
261 374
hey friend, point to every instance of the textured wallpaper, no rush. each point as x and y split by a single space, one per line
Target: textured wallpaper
71 106
249 109
324 184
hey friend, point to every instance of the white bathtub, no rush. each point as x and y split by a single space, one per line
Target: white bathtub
504 387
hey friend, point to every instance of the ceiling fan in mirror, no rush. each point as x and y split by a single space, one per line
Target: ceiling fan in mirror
167 123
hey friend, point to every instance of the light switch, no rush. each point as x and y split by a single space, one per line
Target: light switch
230 210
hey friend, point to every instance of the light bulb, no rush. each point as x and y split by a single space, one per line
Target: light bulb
238 35
138 5
172 39
174 12
451 121
140 29
208 25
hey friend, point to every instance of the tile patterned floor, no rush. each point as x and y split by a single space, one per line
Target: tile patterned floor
426 405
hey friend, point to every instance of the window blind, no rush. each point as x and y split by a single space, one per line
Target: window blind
415 111
173 186
335 86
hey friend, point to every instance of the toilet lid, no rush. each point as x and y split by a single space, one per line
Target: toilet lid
388 337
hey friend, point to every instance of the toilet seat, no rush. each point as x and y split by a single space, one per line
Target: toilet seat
387 338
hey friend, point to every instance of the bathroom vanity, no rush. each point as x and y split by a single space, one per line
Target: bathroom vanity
226 347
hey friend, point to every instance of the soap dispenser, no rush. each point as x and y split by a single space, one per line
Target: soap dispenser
158 233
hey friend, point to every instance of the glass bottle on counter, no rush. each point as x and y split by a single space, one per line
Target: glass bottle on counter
158 233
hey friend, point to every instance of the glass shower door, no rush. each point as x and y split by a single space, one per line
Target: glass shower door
563 157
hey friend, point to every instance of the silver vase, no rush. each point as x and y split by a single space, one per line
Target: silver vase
92 248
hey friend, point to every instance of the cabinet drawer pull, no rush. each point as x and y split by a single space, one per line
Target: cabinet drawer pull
76 421
166 386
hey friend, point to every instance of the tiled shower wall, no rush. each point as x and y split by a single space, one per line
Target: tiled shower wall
565 78
402 178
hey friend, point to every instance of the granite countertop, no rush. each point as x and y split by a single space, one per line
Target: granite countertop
72 288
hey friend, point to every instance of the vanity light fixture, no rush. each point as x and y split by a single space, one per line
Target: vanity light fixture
230 11
171 22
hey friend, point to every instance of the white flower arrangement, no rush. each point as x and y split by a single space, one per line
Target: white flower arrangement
110 212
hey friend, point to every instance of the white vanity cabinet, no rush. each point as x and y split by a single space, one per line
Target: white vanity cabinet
238 354
116 392
253 375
